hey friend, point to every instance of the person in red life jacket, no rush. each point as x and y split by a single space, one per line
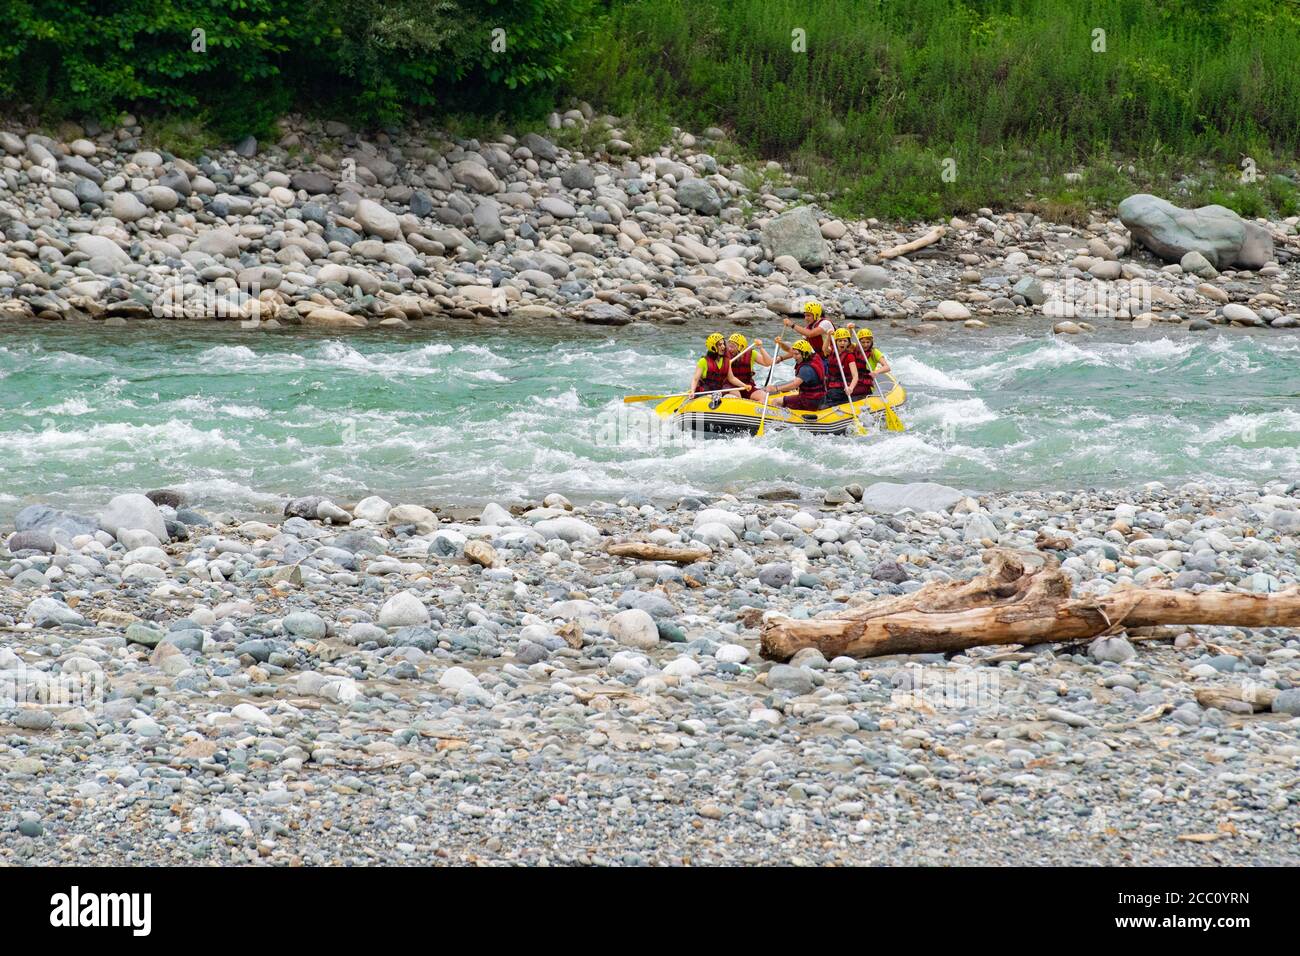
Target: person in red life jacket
841 369
742 360
712 373
870 361
806 391
816 329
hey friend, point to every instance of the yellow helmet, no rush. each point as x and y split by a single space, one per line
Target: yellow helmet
866 334
739 341
841 335
713 343
803 345
812 307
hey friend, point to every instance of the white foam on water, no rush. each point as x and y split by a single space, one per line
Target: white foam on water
243 411
614 357
339 353
565 401
483 352
1153 350
116 437
913 373
235 356
201 405
968 411
69 406
1251 428
487 375
225 492
424 360
1053 353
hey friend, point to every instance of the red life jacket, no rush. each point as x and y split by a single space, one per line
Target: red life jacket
715 374
816 391
743 368
815 339
866 381
833 377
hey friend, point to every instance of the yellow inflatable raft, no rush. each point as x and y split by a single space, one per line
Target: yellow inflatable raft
725 415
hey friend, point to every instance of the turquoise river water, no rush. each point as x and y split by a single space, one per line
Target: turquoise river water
238 419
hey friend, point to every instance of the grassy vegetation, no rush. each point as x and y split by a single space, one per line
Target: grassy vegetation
1064 107
1016 93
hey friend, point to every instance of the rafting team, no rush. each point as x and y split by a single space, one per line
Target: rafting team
831 367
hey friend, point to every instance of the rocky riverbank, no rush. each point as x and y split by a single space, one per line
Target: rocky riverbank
373 682
332 228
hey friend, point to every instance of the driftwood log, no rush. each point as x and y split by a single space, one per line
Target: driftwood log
929 239
645 551
1245 699
1011 605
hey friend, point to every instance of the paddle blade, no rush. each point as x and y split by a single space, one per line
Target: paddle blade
629 399
892 422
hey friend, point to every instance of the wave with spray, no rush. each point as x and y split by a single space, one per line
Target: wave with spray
237 420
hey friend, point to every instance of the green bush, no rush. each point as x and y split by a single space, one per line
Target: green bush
371 60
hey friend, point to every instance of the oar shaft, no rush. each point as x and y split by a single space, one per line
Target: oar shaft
845 382
767 396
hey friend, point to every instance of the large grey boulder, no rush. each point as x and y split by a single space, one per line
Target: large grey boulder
314 184
539 146
31 541
890 498
60 525
476 177
377 220
796 233
1216 232
487 219
793 680
133 513
870 277
581 176
701 196
634 628
218 242
126 207
102 247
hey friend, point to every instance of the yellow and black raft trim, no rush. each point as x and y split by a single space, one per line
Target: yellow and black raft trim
726 415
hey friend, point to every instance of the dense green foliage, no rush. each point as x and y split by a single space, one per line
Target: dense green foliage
374 60
1012 90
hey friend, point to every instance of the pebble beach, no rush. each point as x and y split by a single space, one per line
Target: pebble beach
379 682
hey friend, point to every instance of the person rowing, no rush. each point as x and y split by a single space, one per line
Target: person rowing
712 373
841 369
807 390
816 329
741 359
870 361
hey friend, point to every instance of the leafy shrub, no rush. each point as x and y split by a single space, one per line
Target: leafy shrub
372 60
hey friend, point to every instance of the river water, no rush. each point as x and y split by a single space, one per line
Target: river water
456 414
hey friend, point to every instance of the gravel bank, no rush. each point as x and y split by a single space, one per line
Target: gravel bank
377 683
340 230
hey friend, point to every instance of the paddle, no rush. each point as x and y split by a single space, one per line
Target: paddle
762 421
630 399
845 381
892 422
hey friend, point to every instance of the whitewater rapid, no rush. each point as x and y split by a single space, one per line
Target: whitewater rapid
238 420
